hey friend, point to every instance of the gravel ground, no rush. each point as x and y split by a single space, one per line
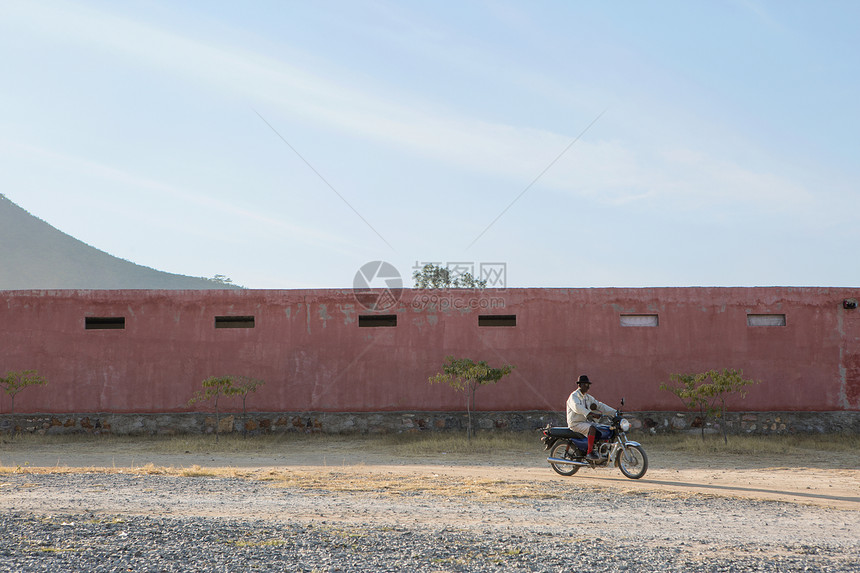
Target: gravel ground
120 522
67 543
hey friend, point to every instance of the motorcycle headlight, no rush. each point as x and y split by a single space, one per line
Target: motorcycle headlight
625 425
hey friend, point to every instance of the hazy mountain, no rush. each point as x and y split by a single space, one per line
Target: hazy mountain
35 255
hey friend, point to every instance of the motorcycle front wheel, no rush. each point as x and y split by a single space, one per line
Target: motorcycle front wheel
633 462
565 451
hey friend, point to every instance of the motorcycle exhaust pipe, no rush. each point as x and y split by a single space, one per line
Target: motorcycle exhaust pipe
568 462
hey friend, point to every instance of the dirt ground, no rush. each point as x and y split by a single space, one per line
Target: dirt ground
824 479
77 504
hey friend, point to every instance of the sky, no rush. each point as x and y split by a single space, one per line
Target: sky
286 144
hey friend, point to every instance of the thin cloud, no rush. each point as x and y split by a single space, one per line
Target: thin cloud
607 170
147 187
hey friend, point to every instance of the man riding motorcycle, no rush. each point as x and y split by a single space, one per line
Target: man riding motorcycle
581 409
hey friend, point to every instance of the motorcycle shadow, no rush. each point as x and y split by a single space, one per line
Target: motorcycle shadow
736 488
730 489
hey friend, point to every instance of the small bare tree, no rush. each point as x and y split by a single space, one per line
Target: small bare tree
465 375
242 386
707 392
213 388
13 382
216 386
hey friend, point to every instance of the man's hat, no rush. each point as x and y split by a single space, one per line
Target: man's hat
583 379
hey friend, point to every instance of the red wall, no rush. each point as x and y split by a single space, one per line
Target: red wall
308 347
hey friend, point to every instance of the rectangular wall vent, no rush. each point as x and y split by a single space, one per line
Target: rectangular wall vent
104 322
234 322
497 320
373 320
639 320
765 320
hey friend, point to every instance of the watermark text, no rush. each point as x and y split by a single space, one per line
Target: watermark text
434 301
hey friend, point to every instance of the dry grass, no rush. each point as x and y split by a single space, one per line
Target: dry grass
749 445
492 447
148 469
323 481
227 444
415 446
485 444
390 484
495 446
489 444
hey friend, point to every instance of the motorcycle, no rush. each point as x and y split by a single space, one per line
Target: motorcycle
567 448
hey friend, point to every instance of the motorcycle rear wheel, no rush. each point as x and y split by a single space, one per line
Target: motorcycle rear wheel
566 451
633 463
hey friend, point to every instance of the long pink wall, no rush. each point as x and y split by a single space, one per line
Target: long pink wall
309 348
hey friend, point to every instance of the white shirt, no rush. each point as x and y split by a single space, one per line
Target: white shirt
579 407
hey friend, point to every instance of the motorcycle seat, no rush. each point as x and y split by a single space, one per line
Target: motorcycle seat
564 432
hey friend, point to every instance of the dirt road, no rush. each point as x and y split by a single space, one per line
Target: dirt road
821 478
347 504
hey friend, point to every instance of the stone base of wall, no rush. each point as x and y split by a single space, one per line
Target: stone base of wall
397 422
760 423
